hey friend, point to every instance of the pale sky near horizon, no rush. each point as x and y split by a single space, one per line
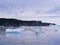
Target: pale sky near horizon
44 10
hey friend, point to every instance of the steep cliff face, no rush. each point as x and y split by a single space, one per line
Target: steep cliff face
17 23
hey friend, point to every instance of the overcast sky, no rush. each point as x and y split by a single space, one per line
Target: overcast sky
44 10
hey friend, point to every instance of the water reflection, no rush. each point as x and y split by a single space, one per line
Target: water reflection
43 36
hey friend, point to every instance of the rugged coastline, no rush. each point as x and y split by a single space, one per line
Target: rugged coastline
17 23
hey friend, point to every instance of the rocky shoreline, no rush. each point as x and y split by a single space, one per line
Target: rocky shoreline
17 23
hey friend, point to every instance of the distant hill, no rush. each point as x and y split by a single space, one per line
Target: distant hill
17 23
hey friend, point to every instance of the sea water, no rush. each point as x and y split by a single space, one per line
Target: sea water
43 35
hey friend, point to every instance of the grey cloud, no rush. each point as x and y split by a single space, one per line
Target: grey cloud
53 11
9 5
24 4
38 11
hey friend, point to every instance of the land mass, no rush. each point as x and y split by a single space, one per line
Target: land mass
17 23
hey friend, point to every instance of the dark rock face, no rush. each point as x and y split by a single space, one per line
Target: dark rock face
31 23
17 23
9 22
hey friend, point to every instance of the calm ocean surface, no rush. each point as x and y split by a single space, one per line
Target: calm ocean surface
49 35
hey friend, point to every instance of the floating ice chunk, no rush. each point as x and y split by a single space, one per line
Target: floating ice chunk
14 30
37 30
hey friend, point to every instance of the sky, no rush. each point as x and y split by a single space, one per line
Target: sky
43 10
